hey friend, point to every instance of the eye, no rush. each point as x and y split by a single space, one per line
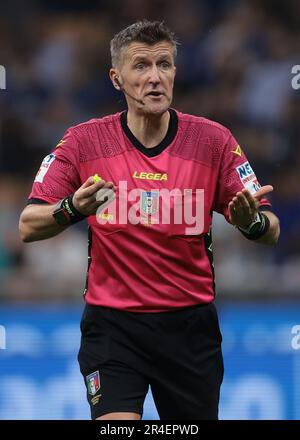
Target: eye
140 66
165 64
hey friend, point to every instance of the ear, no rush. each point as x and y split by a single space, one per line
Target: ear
115 79
175 71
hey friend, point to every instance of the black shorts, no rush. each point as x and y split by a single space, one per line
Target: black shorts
178 353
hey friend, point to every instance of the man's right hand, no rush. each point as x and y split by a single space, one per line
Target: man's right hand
91 195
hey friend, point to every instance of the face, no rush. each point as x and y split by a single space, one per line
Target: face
147 73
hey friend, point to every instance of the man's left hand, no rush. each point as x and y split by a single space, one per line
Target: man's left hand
243 208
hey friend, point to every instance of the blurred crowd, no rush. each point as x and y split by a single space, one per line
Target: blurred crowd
234 66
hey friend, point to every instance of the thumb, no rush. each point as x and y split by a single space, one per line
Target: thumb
263 191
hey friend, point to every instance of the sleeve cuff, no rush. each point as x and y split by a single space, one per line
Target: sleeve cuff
36 201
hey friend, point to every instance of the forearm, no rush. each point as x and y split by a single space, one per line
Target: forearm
272 235
37 223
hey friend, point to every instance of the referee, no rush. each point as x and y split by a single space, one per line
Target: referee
149 317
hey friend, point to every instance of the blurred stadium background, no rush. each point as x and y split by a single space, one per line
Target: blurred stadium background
234 66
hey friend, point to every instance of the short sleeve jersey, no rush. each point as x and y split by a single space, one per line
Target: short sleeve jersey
150 250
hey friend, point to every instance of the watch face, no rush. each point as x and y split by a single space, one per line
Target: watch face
61 217
256 227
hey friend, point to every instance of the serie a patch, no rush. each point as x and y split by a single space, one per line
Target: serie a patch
47 161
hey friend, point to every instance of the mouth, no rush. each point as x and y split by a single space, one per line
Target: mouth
155 94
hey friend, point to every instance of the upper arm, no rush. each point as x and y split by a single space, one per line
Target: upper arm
58 175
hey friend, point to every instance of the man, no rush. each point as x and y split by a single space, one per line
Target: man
149 317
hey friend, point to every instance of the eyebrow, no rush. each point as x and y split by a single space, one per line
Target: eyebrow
145 57
139 58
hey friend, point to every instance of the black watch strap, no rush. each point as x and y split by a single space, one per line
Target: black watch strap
258 228
66 213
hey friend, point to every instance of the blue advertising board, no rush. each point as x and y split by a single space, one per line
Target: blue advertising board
40 377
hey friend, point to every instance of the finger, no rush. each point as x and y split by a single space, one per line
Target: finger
88 182
94 206
106 198
108 192
106 201
236 204
87 201
241 209
92 189
232 213
263 191
103 193
243 201
112 185
250 199
253 203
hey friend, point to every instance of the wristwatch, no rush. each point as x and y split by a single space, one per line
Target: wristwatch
257 228
254 226
65 213
61 216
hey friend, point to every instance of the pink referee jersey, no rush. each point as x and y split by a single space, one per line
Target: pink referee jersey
150 249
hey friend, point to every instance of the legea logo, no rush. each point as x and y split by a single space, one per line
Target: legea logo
2 338
2 78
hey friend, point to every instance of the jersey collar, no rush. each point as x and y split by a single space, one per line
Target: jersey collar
154 151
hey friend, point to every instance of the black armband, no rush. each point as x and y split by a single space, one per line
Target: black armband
258 228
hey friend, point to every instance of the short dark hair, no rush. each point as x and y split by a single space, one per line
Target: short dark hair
144 31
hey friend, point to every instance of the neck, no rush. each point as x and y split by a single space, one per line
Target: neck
150 130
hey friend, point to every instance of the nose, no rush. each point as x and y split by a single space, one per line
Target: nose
154 76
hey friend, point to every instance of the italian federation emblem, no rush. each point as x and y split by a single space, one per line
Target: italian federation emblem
93 383
150 202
